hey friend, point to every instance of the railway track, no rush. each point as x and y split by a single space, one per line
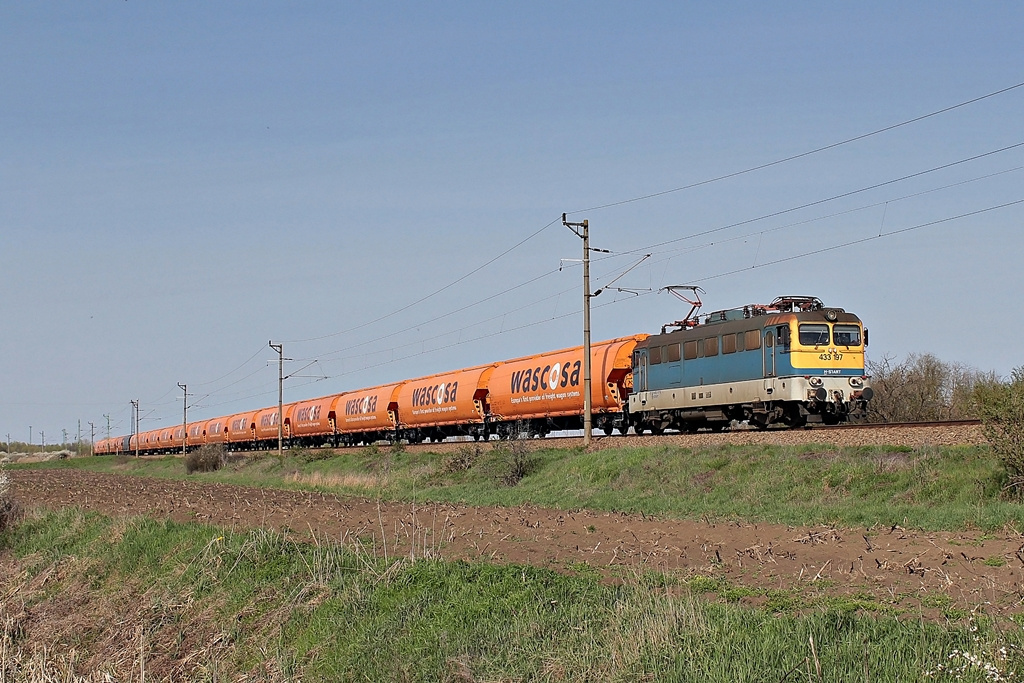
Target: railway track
894 434
902 434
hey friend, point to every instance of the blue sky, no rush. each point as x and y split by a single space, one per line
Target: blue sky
182 182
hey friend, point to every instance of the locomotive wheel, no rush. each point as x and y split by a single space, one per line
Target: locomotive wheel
608 430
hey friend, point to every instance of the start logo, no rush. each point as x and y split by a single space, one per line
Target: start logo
559 375
435 395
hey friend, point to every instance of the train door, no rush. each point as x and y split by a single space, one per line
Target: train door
769 354
641 370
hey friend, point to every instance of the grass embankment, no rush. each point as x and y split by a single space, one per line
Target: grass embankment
192 602
931 488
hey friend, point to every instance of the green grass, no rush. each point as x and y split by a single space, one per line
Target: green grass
947 488
331 612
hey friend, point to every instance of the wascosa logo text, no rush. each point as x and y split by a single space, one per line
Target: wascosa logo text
361 406
268 420
308 414
435 395
554 376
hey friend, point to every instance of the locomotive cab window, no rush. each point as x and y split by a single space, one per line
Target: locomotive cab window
673 353
655 354
782 334
846 335
711 346
753 340
690 350
814 335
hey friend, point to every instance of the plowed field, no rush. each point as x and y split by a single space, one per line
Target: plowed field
908 569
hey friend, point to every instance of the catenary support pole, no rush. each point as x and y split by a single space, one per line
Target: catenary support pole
184 419
582 230
280 396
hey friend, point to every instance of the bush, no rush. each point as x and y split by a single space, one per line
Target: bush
208 458
513 460
923 388
463 459
1000 406
315 454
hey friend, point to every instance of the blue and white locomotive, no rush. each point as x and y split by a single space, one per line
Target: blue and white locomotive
790 362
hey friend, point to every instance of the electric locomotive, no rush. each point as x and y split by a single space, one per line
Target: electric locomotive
792 362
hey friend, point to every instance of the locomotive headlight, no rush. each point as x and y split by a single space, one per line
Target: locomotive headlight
814 381
856 382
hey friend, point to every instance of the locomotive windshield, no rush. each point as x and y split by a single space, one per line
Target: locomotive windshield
846 335
814 335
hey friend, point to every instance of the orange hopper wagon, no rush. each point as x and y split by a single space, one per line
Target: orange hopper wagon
443 405
313 422
544 393
367 415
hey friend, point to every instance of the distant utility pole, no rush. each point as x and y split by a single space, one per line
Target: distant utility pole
280 397
108 424
92 440
135 407
64 443
582 230
30 435
42 435
184 418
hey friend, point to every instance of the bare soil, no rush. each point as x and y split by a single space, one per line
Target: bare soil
910 570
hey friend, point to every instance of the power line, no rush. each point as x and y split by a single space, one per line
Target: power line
801 154
863 207
829 199
432 294
861 241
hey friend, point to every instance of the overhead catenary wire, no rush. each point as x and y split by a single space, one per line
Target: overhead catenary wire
674 253
432 294
817 202
801 155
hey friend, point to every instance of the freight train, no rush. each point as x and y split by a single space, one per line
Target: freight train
791 362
